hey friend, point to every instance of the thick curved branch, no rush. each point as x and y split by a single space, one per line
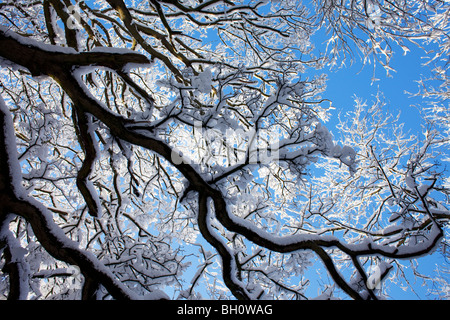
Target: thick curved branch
86 139
335 273
302 242
13 200
228 261
15 264
43 64
60 247
41 59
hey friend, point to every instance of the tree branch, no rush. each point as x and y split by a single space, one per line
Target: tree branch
14 200
13 48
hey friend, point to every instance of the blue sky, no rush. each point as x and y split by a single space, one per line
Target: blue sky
355 79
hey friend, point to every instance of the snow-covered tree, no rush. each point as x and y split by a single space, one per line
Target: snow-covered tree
178 149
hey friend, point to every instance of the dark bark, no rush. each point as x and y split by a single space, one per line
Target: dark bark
227 259
81 124
46 231
60 67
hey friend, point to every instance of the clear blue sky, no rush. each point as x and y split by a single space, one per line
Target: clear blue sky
355 79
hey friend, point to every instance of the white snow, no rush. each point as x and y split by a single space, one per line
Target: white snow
11 148
45 215
410 181
203 81
39 44
17 256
